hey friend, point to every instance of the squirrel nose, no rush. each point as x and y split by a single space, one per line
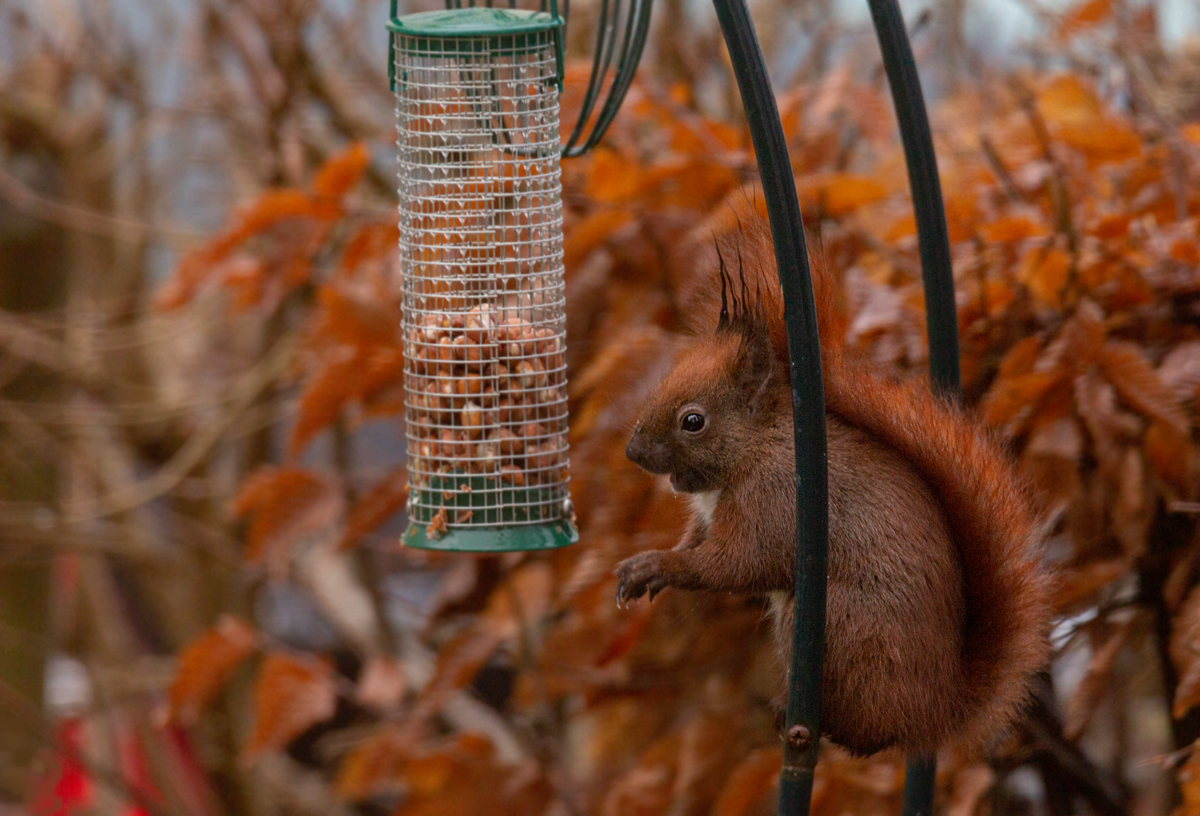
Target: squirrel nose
644 453
633 449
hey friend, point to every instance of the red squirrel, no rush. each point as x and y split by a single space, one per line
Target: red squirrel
937 611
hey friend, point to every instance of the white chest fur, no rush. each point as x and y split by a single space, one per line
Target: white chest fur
705 504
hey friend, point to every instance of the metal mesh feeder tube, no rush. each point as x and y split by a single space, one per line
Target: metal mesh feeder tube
481 257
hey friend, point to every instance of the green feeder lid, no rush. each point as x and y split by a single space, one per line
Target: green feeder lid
470 28
474 22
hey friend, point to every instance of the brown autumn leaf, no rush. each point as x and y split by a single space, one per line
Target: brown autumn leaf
1171 454
645 790
1184 648
270 210
612 178
1045 273
520 600
751 785
342 171
1012 228
1084 15
841 193
1138 384
1065 99
1009 398
1179 371
292 694
376 766
206 664
284 504
1094 685
1078 585
1133 507
1082 337
354 318
1188 777
380 503
325 394
1104 140
1021 358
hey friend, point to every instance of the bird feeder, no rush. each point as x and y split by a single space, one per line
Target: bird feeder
481 259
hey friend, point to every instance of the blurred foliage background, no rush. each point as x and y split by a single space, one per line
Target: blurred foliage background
203 605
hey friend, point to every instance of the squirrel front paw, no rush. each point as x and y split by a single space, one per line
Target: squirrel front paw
640 574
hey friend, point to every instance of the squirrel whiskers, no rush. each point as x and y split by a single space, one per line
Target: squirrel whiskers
937 609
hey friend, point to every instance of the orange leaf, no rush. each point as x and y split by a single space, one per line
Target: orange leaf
1008 398
1185 251
518 601
612 179
284 504
206 664
842 193
325 395
1065 99
1139 386
292 695
373 242
458 661
752 781
1011 229
590 233
1045 272
1191 132
1189 783
342 172
1083 15
1170 453
375 767
353 319
1104 140
384 500
1021 358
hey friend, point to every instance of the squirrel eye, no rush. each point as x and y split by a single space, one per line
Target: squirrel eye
692 422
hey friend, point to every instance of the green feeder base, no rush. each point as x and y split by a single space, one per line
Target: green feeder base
493 539
509 527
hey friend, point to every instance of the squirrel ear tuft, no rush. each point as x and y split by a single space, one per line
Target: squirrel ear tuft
754 364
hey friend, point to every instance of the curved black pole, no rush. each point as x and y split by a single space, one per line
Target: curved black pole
941 315
808 404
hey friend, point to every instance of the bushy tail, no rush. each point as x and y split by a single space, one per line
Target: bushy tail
1005 586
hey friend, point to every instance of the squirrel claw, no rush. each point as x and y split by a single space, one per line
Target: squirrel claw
638 576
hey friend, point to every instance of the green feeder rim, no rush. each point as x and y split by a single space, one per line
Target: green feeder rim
493 539
476 27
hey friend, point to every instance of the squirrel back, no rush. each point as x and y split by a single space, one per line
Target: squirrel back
936 456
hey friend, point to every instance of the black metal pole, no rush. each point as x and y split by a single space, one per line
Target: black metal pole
808 404
941 315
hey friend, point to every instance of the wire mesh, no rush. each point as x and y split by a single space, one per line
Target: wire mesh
482 279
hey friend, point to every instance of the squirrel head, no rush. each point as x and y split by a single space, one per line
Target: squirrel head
702 422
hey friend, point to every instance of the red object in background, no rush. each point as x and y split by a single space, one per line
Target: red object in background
72 789
68 787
